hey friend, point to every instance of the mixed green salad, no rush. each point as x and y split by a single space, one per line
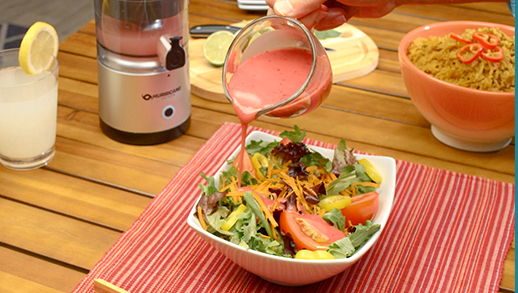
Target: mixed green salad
292 201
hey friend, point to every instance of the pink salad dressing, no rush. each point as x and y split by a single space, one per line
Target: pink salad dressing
266 79
126 37
269 78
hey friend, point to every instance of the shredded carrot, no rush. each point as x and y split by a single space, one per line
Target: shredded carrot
274 234
274 206
283 193
276 171
371 184
200 218
231 185
345 192
235 193
354 184
300 195
312 169
275 164
266 211
269 172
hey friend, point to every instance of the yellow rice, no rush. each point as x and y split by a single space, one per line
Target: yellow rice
437 56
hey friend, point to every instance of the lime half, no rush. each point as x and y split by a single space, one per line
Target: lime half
216 47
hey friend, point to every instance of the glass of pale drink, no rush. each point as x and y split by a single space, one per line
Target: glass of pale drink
28 113
276 67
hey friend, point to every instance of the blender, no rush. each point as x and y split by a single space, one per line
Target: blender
143 69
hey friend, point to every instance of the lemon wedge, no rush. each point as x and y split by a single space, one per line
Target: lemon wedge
39 45
216 47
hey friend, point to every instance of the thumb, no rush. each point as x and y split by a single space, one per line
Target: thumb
296 8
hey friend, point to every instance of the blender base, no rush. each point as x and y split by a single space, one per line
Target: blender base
145 138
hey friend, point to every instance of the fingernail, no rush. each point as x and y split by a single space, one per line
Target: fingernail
321 15
338 20
283 7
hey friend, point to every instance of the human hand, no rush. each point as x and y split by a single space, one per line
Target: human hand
328 14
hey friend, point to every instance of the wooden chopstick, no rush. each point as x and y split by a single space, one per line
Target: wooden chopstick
101 286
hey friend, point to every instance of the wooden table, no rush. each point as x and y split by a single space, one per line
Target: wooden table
56 222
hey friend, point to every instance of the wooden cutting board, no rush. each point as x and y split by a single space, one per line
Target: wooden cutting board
352 54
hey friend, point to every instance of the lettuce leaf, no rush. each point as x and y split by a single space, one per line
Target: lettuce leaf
294 136
347 246
210 188
349 174
336 218
363 233
217 218
316 159
260 147
321 35
342 248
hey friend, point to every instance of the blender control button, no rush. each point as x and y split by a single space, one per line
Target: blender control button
168 112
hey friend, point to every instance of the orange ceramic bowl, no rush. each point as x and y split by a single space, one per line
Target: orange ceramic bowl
464 118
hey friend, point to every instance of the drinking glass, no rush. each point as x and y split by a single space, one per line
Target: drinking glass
28 113
268 34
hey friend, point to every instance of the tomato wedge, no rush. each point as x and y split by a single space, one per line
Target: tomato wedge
285 141
309 231
363 207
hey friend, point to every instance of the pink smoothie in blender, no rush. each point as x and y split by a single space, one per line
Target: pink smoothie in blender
143 69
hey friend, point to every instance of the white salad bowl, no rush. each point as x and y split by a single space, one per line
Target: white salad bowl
297 272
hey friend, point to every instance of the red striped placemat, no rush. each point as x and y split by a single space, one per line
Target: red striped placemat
448 232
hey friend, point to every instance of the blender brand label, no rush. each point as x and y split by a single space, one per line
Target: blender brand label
165 94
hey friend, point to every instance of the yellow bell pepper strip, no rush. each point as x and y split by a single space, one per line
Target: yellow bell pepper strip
232 218
371 170
334 202
317 254
258 161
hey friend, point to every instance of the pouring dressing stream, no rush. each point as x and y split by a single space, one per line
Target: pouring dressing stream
274 67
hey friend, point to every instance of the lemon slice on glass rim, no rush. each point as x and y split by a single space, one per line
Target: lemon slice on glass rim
39 45
216 47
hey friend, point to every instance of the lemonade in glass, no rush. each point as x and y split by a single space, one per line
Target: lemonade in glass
28 113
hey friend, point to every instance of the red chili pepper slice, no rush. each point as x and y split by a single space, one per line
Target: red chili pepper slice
489 41
494 55
459 38
473 52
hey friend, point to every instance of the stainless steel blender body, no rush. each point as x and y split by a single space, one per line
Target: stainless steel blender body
143 69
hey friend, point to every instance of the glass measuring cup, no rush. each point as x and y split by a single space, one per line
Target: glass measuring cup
276 67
